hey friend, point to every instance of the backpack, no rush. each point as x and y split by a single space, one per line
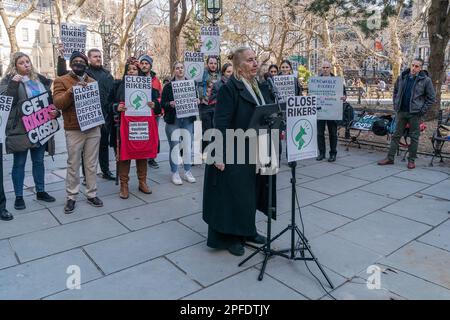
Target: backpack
348 115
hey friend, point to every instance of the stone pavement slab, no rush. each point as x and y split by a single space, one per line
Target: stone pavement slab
43 277
381 232
373 172
357 290
133 248
296 275
440 190
61 238
438 237
7 257
195 222
342 256
409 286
27 223
305 198
423 261
393 187
355 161
322 169
156 213
207 266
322 218
335 184
154 280
83 210
31 205
423 175
354 204
244 286
421 208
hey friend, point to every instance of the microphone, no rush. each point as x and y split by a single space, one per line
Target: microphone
273 87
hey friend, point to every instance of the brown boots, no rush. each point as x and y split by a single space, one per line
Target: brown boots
141 166
124 170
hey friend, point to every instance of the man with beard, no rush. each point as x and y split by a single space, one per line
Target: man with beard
78 142
96 71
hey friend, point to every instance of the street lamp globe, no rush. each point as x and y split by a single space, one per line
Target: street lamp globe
213 6
104 28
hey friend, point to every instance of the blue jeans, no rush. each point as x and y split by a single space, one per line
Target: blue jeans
18 169
175 156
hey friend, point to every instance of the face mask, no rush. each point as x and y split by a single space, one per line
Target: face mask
78 68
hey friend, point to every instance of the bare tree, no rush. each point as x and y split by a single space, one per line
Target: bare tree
11 26
178 17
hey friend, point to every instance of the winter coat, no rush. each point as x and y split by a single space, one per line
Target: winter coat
423 94
17 137
231 197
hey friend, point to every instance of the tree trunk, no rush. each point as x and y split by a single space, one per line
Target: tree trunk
439 35
13 39
330 54
174 37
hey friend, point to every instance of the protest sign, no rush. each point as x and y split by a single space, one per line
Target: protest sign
138 93
73 38
185 96
38 123
301 114
285 86
5 108
329 91
210 38
138 131
88 106
194 65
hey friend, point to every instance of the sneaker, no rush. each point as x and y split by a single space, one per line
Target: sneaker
69 207
153 164
189 177
44 196
176 180
95 202
19 204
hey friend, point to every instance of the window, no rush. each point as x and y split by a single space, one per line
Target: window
37 37
25 37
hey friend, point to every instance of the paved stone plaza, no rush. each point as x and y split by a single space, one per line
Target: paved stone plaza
356 214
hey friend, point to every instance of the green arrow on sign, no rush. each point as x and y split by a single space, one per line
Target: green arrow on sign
137 102
209 44
299 137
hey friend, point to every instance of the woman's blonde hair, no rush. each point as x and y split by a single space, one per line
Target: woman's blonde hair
12 68
237 57
174 65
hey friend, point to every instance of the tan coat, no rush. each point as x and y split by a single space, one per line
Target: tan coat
63 98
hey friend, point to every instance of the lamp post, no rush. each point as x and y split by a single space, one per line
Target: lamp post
105 30
54 38
213 8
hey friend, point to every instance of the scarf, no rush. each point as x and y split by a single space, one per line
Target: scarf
253 88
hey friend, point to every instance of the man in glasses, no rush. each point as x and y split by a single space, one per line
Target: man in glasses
413 95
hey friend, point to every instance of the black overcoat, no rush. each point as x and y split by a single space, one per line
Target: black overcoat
231 197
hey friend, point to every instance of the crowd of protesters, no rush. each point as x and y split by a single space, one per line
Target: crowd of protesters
217 99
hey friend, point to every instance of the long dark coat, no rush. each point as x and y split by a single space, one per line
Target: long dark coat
231 197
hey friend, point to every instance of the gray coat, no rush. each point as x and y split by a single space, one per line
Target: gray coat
423 95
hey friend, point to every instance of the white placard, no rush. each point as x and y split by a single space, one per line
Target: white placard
73 37
185 96
301 114
138 93
210 38
285 86
329 91
138 131
88 106
194 65
5 108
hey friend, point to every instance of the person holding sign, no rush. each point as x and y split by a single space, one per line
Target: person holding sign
78 141
331 124
174 127
30 125
286 69
138 134
230 190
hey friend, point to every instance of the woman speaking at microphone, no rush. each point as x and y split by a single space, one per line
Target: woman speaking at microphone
230 190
